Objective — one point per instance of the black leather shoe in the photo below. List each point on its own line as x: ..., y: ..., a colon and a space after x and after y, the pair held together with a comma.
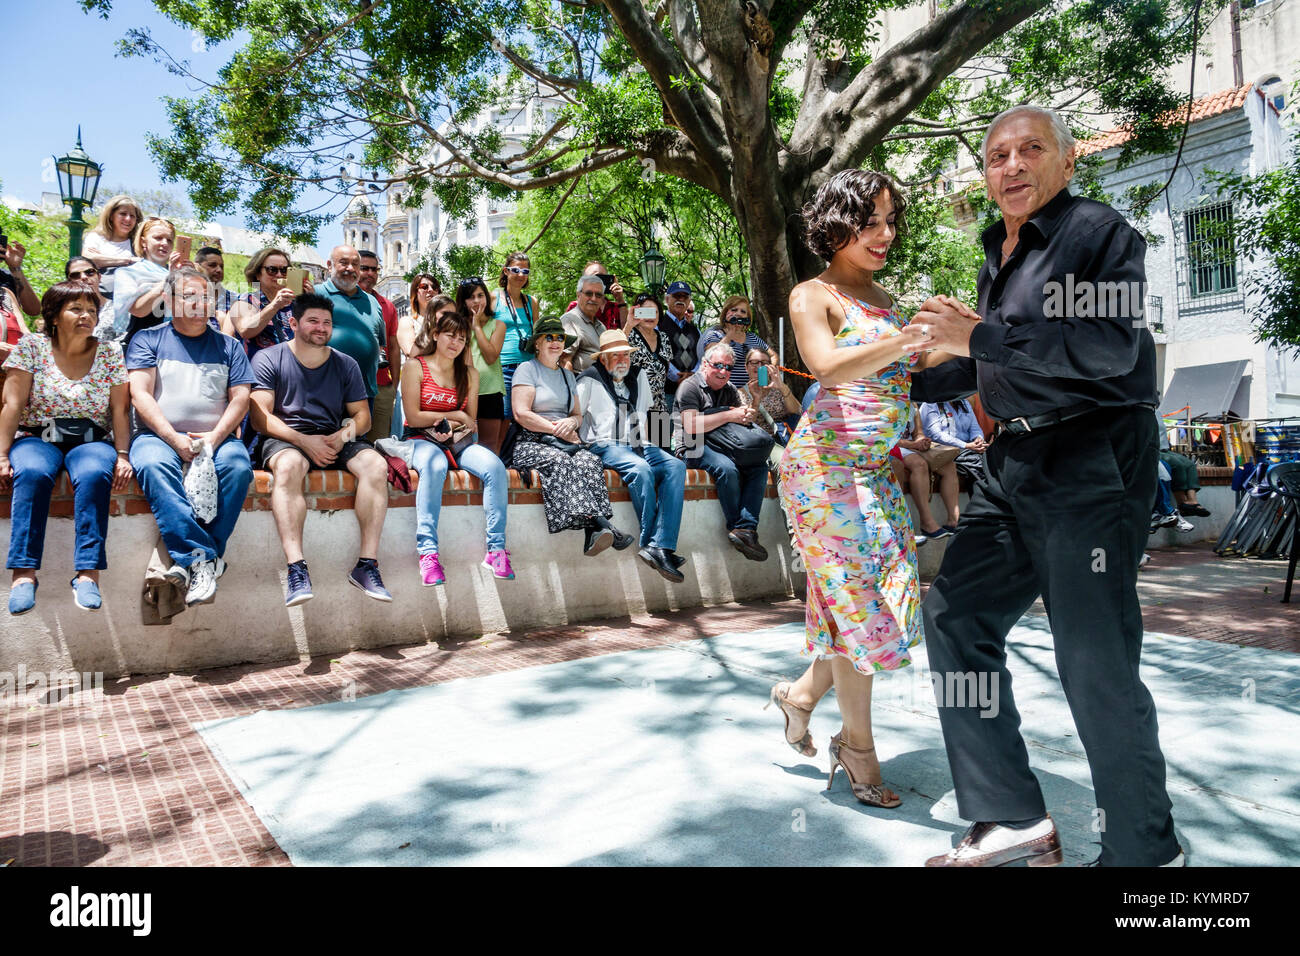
x: 621, y: 541
x: 1193, y: 511
x: 675, y: 559
x: 657, y: 560
x: 598, y: 539
x: 745, y: 541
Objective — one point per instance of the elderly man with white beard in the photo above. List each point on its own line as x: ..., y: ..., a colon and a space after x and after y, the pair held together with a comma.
x: 615, y: 398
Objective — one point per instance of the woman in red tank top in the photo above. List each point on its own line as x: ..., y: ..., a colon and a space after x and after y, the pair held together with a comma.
x: 441, y: 386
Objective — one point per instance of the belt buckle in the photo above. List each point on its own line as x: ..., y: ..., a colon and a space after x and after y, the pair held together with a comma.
x: 1024, y: 423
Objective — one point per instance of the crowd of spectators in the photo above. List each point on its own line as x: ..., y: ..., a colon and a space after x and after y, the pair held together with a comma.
x: 142, y: 364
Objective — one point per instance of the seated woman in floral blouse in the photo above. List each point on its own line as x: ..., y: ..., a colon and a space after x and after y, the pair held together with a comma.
x: 65, y: 396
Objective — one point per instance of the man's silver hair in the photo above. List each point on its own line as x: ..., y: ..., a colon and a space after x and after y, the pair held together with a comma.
x: 1060, y: 132
x: 588, y: 280
x: 719, y: 348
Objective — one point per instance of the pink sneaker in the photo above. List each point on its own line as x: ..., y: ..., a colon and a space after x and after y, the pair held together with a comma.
x: 498, y: 562
x: 431, y: 570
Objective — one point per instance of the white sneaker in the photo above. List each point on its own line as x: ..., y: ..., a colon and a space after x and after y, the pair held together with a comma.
x: 203, y: 582
x: 1144, y: 560
x: 1184, y: 525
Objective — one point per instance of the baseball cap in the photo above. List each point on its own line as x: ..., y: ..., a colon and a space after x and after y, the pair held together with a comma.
x: 677, y: 288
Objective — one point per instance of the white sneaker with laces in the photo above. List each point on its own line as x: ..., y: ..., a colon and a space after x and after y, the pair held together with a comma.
x: 203, y: 582
x: 1184, y: 525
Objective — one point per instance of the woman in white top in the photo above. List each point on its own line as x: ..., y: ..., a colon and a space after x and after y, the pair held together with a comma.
x: 108, y: 243
x: 140, y: 286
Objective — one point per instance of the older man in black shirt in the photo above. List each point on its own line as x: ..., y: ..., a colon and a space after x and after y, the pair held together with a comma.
x: 1064, y: 363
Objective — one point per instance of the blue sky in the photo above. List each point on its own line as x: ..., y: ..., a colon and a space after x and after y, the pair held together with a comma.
x: 62, y: 69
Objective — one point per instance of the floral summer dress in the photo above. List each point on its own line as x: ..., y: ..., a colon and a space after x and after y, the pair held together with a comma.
x: 849, y: 517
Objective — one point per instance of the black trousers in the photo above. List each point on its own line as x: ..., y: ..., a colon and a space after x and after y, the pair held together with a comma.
x: 1063, y: 513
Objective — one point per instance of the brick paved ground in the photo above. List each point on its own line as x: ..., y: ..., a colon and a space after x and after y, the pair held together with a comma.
x: 129, y: 782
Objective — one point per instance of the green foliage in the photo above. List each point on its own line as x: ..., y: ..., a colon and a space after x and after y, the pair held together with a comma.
x: 1266, y: 228
x: 608, y: 218
x: 321, y: 90
x: 45, y: 237
x: 932, y: 256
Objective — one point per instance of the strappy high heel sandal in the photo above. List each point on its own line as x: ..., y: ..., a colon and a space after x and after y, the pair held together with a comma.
x: 779, y: 696
x: 872, y: 794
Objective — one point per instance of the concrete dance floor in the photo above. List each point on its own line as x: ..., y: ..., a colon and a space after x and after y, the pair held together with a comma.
x: 665, y: 757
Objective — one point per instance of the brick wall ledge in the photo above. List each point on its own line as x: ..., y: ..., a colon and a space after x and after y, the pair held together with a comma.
x: 335, y: 490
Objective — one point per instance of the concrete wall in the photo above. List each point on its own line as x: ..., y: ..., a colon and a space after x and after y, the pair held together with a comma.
x: 1248, y: 141
x: 554, y: 582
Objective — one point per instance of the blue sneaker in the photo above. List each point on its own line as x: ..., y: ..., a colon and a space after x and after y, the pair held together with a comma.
x: 86, y: 594
x: 298, y: 589
x: 22, y: 596
x: 366, y: 576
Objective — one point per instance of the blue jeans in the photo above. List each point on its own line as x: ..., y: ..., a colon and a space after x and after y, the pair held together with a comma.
x: 36, y: 465
x: 508, y: 375
x: 656, y: 482
x: 740, y: 492
x: 431, y: 462
x: 158, y: 470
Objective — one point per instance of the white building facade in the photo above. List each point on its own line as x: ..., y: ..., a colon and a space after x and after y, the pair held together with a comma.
x: 1199, y: 295
x: 407, y: 236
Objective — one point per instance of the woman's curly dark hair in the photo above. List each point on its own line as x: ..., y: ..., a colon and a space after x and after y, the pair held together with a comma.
x: 842, y: 206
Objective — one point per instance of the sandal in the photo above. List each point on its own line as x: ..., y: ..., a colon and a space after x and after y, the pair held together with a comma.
x: 872, y: 794
x: 804, y: 745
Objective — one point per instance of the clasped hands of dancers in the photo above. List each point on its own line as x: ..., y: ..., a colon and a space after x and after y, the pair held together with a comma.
x: 1071, y: 470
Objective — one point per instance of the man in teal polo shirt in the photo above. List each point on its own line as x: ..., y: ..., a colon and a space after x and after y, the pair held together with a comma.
x: 358, y: 321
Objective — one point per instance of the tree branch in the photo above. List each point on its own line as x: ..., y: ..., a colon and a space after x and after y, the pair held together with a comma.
x: 690, y: 110
x: 887, y: 90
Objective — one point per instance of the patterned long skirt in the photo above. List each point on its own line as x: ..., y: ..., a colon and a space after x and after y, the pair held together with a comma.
x: 573, y: 485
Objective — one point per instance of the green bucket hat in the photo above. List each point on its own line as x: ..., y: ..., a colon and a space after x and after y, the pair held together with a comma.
x: 548, y: 326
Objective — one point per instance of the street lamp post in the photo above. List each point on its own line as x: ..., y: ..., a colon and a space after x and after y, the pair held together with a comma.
x: 78, y: 183
x: 653, y: 267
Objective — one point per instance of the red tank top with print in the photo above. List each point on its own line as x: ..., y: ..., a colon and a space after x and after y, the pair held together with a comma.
x: 434, y: 397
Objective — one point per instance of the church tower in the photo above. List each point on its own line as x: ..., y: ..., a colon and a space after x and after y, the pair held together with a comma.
x: 360, y: 227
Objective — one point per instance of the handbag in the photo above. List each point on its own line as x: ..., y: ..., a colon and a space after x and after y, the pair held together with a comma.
x: 453, y: 441
x: 72, y: 431
x: 746, y: 445
x: 938, y: 456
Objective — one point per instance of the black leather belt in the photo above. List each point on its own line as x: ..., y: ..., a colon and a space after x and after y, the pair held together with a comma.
x: 1033, y: 423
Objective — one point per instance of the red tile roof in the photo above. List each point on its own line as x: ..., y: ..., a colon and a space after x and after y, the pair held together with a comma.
x: 1204, y: 108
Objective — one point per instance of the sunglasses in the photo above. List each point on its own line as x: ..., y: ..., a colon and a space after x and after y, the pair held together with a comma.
x: 517, y: 271
x: 551, y: 337
x: 276, y: 270
x: 84, y: 274
x: 471, y: 281
x: 720, y: 366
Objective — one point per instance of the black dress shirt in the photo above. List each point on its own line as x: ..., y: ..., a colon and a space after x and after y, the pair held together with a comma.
x: 1058, y: 331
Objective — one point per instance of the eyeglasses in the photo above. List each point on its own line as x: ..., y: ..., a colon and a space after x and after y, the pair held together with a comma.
x: 593, y: 295
x: 517, y: 271
x: 276, y: 270
x: 551, y: 337
x: 756, y: 362
x: 720, y: 366
x: 84, y: 274
x: 370, y: 268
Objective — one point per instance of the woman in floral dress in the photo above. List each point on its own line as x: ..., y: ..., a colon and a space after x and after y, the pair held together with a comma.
x: 847, y: 512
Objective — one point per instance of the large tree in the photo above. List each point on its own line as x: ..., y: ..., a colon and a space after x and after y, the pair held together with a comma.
x: 757, y: 102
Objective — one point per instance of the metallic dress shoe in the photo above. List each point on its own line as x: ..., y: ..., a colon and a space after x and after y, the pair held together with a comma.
x: 987, y: 844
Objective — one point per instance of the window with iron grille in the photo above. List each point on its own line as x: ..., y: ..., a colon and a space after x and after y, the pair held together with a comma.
x: 1211, y: 253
